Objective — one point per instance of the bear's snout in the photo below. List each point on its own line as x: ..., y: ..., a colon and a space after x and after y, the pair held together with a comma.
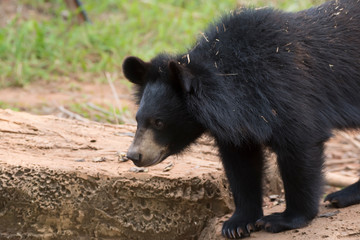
x: 145, y: 151
x: 134, y: 156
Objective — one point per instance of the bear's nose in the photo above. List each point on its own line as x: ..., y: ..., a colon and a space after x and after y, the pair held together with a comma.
x: 134, y: 156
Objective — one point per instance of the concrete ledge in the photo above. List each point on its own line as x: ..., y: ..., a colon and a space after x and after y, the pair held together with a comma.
x: 54, y: 184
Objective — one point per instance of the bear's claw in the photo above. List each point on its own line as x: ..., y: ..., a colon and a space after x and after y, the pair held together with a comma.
x: 235, y: 228
x: 345, y: 197
x: 278, y: 222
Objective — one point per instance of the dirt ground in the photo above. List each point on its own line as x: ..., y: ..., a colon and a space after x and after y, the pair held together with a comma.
x: 44, y: 98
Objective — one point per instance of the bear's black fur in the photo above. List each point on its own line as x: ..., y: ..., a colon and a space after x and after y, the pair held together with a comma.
x: 255, y: 79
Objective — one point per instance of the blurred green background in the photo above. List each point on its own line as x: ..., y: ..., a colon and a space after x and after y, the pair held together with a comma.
x: 39, y: 41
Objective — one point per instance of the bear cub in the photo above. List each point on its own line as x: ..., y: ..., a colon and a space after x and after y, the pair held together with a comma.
x: 255, y: 79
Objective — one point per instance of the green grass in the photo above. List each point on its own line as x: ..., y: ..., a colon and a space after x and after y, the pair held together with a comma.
x: 4, y: 105
x: 49, y: 47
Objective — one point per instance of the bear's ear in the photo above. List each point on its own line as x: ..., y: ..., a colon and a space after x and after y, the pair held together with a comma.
x: 181, y: 77
x: 135, y: 69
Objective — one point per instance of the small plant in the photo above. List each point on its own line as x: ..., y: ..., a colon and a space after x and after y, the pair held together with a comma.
x: 4, y: 105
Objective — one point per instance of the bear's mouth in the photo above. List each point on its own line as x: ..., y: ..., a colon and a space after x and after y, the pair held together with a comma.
x: 161, y: 157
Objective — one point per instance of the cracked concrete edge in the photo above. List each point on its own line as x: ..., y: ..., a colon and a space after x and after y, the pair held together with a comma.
x: 46, y: 204
x: 45, y: 193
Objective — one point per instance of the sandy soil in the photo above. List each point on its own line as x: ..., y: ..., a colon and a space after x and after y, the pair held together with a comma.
x: 331, y: 224
x: 51, y: 97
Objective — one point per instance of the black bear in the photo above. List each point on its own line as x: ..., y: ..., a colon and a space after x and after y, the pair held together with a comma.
x: 257, y: 78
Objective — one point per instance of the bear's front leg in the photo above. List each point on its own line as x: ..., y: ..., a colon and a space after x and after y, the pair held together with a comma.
x: 300, y: 166
x: 243, y: 167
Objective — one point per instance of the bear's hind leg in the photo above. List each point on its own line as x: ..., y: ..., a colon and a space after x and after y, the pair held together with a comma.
x: 345, y: 197
x: 300, y: 166
x: 243, y: 167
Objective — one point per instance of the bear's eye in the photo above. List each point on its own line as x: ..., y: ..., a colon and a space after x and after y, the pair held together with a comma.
x: 158, y: 124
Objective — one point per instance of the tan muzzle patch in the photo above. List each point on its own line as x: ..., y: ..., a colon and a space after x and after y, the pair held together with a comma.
x: 144, y: 150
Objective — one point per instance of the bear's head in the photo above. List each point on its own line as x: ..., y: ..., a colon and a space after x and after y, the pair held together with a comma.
x: 165, y: 126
